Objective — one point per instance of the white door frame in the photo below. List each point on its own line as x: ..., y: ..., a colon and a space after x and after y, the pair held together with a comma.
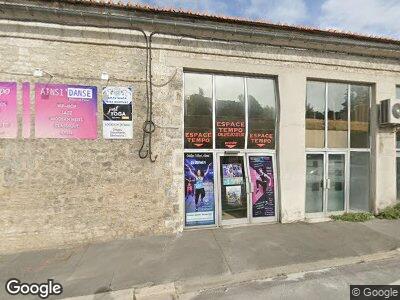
x: 276, y: 196
x: 245, y: 220
x: 325, y: 213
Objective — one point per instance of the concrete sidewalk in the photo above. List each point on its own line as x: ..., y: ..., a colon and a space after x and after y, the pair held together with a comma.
x: 196, y: 255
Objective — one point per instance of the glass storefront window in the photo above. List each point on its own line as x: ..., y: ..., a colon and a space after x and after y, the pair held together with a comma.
x: 315, y: 115
x: 261, y: 110
x: 217, y: 108
x: 359, y: 116
x: 398, y: 176
x: 337, y: 115
x: 230, y: 112
x: 359, y: 181
x: 198, y: 111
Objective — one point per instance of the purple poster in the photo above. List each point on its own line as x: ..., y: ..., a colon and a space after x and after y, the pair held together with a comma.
x: 199, y: 189
x: 263, y: 186
x: 65, y: 111
x: 8, y: 110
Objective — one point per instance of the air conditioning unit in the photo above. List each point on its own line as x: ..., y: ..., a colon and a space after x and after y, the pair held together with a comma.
x: 390, y: 112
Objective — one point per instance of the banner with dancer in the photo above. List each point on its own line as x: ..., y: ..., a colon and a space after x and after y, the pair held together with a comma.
x: 262, y: 181
x: 199, y: 189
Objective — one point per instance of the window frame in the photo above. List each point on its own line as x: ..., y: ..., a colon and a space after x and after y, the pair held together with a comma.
x: 349, y: 148
x: 245, y: 77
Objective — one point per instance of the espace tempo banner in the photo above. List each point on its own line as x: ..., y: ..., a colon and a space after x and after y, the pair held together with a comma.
x: 65, y: 111
x: 8, y: 110
x: 199, y: 189
x: 262, y: 180
x: 117, y: 113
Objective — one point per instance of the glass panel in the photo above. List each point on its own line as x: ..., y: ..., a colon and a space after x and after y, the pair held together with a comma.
x: 398, y: 140
x: 263, y: 186
x: 261, y: 110
x: 359, y: 181
x: 359, y: 116
x: 336, y: 171
x: 233, y: 188
x: 230, y: 109
x: 199, y: 189
x: 398, y: 92
x: 337, y: 115
x: 198, y: 111
x: 314, y: 183
x: 398, y: 176
x: 315, y: 115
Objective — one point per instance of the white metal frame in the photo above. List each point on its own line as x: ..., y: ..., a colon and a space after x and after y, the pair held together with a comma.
x: 245, y: 152
x: 276, y: 193
x: 237, y: 221
x: 347, y: 151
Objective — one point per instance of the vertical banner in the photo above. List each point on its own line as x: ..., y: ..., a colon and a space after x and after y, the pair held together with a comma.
x: 26, y: 110
x: 8, y: 110
x: 65, y: 111
x: 117, y: 113
x: 263, y: 186
x: 199, y: 189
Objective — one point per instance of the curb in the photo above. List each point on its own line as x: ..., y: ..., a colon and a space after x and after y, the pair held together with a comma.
x: 214, y: 282
x: 170, y: 291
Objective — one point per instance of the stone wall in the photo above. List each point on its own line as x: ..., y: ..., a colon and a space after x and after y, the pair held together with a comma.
x: 63, y: 192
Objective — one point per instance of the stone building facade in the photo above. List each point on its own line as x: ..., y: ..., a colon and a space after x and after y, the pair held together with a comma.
x: 63, y: 192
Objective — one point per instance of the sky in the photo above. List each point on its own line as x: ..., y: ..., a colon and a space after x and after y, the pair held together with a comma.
x: 370, y: 17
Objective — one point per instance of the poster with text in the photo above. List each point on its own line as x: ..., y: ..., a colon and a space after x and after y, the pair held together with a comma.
x: 263, y: 186
x: 232, y: 174
x: 199, y: 189
x: 65, y: 111
x: 230, y: 134
x: 117, y: 113
x: 8, y: 110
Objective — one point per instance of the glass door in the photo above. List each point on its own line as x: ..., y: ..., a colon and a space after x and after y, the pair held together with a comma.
x: 315, y: 183
x: 335, y: 182
x: 233, y: 189
x: 325, y: 183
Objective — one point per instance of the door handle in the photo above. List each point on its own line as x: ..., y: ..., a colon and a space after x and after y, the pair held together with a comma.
x: 328, y: 183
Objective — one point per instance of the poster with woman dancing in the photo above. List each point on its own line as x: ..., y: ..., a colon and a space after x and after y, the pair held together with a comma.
x: 262, y: 181
x: 199, y: 189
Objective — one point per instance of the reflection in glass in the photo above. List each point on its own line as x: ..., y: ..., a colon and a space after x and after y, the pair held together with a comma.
x: 314, y: 183
x: 261, y: 110
x: 359, y: 116
x: 198, y: 111
x: 398, y: 140
x: 336, y: 171
x: 315, y: 115
x: 359, y: 181
x: 337, y: 115
x: 230, y: 112
x: 398, y: 177
x: 233, y: 188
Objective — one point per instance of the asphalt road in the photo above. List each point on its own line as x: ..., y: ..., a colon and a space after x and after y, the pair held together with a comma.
x: 322, y: 284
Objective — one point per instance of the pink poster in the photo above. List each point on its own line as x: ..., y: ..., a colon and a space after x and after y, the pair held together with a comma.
x: 8, y: 110
x: 65, y: 111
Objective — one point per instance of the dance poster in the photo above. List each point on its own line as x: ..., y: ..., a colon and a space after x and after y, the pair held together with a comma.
x: 8, y: 110
x: 263, y: 186
x: 65, y: 111
x: 232, y: 174
x: 117, y: 113
x: 199, y: 189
